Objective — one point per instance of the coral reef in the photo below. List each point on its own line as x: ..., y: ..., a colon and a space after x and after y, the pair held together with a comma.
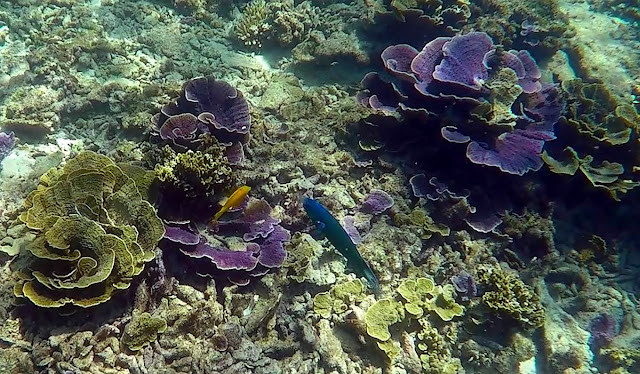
x: 94, y: 231
x: 485, y: 266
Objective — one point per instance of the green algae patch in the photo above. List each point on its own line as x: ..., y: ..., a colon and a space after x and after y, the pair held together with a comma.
x: 142, y: 330
x: 93, y: 231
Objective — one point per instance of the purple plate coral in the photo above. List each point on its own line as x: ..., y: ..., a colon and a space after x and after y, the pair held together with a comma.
x: 510, y: 113
x: 263, y: 249
x: 206, y: 106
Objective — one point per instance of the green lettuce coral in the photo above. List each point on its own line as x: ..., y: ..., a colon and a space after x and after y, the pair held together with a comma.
x: 94, y: 231
x: 418, y: 296
x: 423, y: 295
x: 338, y: 299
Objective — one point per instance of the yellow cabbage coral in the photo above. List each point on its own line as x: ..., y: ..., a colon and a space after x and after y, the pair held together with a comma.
x: 94, y: 231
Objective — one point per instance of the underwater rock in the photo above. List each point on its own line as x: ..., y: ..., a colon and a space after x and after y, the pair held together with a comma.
x: 142, y: 330
x: 302, y: 252
x: 565, y: 343
x: 31, y: 111
x: 323, y: 49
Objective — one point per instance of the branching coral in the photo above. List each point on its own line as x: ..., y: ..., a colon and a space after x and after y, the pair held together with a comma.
x: 253, y: 25
x: 435, y: 356
x: 510, y: 298
x: 94, y: 230
x: 279, y: 21
x: 195, y: 173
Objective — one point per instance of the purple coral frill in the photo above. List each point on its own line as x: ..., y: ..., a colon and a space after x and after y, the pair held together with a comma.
x: 255, y: 222
x: 7, y: 142
x: 218, y: 103
x: 264, y: 244
x: 454, y: 70
x: 463, y: 60
x: 465, y: 285
x: 514, y: 152
x: 377, y: 202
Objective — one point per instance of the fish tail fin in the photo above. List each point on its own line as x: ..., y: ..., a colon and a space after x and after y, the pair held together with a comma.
x: 364, y: 270
x: 370, y: 276
x: 216, y: 216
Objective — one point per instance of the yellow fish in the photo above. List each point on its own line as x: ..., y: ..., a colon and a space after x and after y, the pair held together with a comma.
x: 236, y: 198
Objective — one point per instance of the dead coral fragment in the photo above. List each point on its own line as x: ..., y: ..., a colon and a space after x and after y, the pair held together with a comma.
x: 422, y: 295
x: 142, y: 330
x: 94, y: 231
x: 508, y: 296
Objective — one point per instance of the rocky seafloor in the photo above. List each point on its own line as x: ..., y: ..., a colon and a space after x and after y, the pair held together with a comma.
x: 509, y: 258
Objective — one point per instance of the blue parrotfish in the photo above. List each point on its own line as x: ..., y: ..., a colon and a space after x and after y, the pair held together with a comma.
x: 338, y: 237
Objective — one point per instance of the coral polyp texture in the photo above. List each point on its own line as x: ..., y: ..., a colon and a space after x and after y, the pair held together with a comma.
x: 509, y: 113
x: 94, y: 231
